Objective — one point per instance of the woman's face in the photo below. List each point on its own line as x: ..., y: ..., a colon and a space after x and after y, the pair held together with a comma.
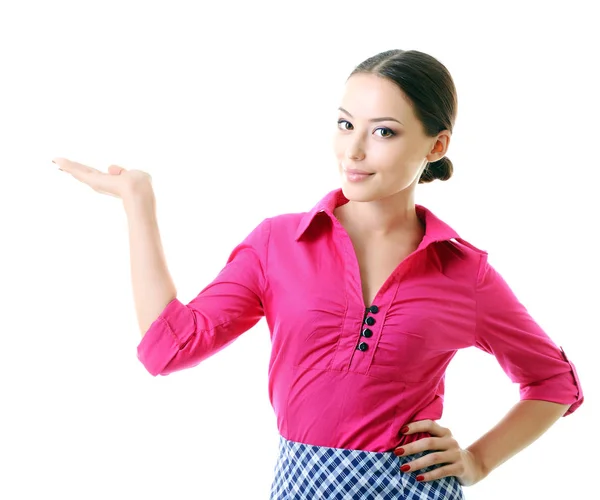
x: 380, y: 145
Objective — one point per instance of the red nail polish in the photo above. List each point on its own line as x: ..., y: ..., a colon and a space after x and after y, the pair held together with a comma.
x: 404, y: 429
x: 405, y: 468
x: 399, y: 451
x: 420, y: 478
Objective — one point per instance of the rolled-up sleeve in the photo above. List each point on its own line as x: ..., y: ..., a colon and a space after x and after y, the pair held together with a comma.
x: 525, y: 352
x: 183, y: 335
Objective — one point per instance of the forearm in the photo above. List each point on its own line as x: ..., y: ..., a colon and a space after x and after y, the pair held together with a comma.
x: 521, y: 426
x: 153, y: 287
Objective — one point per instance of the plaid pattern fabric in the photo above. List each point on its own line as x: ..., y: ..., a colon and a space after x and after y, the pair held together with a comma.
x: 307, y: 472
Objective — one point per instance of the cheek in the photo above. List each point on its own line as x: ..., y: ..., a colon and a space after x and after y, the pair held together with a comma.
x: 388, y: 160
x: 338, y: 146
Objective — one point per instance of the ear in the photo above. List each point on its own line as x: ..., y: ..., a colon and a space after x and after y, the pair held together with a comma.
x: 440, y: 146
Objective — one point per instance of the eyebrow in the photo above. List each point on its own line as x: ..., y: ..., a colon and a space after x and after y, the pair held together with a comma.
x: 373, y: 120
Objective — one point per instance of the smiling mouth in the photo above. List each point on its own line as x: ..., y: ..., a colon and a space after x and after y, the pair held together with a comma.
x: 357, y: 175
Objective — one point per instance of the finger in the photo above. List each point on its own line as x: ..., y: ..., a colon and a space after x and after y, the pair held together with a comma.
x: 115, y: 170
x: 440, y: 472
x: 434, y: 458
x: 426, y: 444
x: 73, y: 166
x: 98, y: 181
x: 429, y: 426
x: 86, y: 175
x: 81, y: 172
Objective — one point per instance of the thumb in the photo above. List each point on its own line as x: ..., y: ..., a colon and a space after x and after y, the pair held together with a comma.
x: 115, y: 170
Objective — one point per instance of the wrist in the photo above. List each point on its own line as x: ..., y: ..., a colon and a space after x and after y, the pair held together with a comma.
x: 481, y: 469
x: 139, y: 195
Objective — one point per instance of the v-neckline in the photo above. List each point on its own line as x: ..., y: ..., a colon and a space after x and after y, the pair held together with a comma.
x: 356, y: 264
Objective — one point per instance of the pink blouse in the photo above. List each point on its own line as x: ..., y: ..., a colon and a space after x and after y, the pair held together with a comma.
x: 345, y: 375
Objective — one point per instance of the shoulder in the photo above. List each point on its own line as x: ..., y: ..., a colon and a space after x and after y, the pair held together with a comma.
x: 446, y: 237
x: 291, y: 219
x: 275, y: 226
x: 461, y: 260
x: 286, y: 225
x: 278, y: 223
x: 284, y: 222
x: 465, y: 248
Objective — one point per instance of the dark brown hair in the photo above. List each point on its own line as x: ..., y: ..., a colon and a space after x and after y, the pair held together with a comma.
x: 427, y: 84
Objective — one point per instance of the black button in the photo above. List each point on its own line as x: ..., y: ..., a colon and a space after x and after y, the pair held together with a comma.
x: 370, y: 321
x: 367, y: 333
x: 363, y: 346
x: 374, y: 309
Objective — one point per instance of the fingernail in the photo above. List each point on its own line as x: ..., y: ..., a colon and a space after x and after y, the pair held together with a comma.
x: 405, y: 468
x: 404, y: 429
x: 420, y: 478
x: 399, y: 451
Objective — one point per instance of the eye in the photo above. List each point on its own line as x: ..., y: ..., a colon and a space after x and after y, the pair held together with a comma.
x: 341, y: 121
x: 390, y: 132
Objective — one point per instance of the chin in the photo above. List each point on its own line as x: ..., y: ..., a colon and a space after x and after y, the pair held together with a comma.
x: 363, y: 192
x: 357, y: 192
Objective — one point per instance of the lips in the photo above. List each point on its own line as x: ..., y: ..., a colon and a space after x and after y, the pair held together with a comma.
x: 355, y: 171
x: 355, y: 175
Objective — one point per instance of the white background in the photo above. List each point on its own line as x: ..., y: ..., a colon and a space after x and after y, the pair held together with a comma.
x: 231, y: 107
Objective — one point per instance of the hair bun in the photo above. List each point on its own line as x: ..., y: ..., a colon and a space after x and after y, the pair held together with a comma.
x: 441, y: 169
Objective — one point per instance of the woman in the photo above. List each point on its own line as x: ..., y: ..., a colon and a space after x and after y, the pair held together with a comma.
x: 368, y: 297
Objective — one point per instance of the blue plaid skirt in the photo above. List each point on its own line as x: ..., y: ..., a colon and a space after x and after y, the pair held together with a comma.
x: 307, y: 472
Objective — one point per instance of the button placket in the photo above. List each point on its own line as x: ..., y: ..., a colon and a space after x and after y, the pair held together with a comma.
x: 367, y: 332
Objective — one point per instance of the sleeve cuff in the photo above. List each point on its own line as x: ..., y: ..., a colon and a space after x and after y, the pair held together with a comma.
x: 165, y: 337
x: 564, y: 388
x: 577, y: 383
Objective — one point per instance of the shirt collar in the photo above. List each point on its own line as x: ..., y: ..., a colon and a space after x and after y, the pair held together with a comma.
x: 435, y: 228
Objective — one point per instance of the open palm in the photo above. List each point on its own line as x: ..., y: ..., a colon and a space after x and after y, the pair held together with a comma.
x: 117, y: 182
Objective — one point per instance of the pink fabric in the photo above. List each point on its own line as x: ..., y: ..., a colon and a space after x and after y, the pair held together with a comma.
x: 300, y: 272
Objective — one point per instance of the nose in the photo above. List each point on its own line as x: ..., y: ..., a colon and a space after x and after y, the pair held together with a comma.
x: 355, y: 151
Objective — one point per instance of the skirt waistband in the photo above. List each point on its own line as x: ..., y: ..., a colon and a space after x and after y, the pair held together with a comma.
x: 304, y: 472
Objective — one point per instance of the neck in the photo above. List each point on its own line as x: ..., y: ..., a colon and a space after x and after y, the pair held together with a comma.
x: 391, y: 215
